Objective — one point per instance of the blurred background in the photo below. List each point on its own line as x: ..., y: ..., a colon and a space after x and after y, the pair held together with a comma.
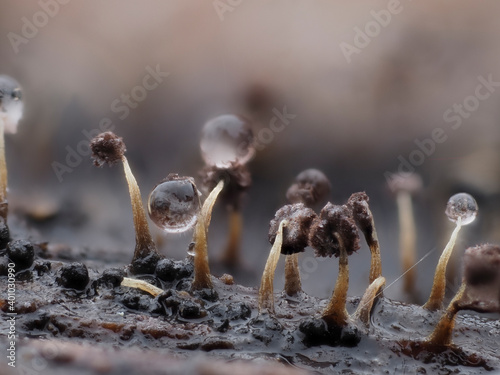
x: 366, y: 80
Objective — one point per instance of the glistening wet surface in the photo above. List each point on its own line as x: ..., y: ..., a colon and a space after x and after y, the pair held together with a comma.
x: 179, y: 324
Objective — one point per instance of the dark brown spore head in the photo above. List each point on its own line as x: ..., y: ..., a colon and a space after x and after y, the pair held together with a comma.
x: 310, y: 187
x: 296, y: 232
x: 107, y: 148
x: 333, y: 219
x: 358, y: 203
x: 482, y: 278
x: 237, y: 179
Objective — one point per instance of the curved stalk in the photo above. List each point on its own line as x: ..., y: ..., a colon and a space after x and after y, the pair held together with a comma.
x: 202, y: 278
x: 435, y: 301
x: 144, y: 244
x: 266, y: 290
x: 365, y: 306
x: 441, y: 336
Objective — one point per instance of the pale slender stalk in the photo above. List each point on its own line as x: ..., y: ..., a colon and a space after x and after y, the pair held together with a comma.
x: 292, y: 275
x: 142, y: 285
x: 144, y: 243
x: 231, y: 256
x: 441, y: 336
x: 266, y: 290
x: 208, y: 205
x: 202, y: 279
x: 3, y: 175
x: 435, y: 301
x: 365, y: 306
x: 336, y: 312
x: 407, y: 239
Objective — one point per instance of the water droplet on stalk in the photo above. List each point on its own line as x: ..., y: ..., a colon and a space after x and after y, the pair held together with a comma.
x: 174, y: 204
x: 227, y: 140
x: 11, y: 103
x: 462, y: 205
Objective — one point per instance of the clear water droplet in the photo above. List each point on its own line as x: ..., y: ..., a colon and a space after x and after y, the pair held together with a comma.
x: 462, y: 205
x: 11, y: 103
x: 225, y: 140
x: 174, y: 204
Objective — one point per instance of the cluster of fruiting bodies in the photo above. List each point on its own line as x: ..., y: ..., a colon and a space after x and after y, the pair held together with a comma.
x: 175, y: 205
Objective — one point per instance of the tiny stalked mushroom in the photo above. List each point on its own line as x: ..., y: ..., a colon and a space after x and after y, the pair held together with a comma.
x: 480, y: 290
x: 358, y: 202
x: 295, y: 239
x: 405, y: 185
x: 108, y: 148
x: 334, y: 232
x: 237, y: 180
x: 462, y: 210
x: 227, y: 144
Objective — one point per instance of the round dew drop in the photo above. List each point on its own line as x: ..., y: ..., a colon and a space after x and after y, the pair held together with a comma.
x: 462, y: 205
x: 11, y: 103
x: 227, y: 140
x: 174, y: 204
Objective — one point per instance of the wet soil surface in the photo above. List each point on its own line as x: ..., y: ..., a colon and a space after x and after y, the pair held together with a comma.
x: 70, y: 323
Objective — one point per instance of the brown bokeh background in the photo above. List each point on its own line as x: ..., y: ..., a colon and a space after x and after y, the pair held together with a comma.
x: 353, y: 119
